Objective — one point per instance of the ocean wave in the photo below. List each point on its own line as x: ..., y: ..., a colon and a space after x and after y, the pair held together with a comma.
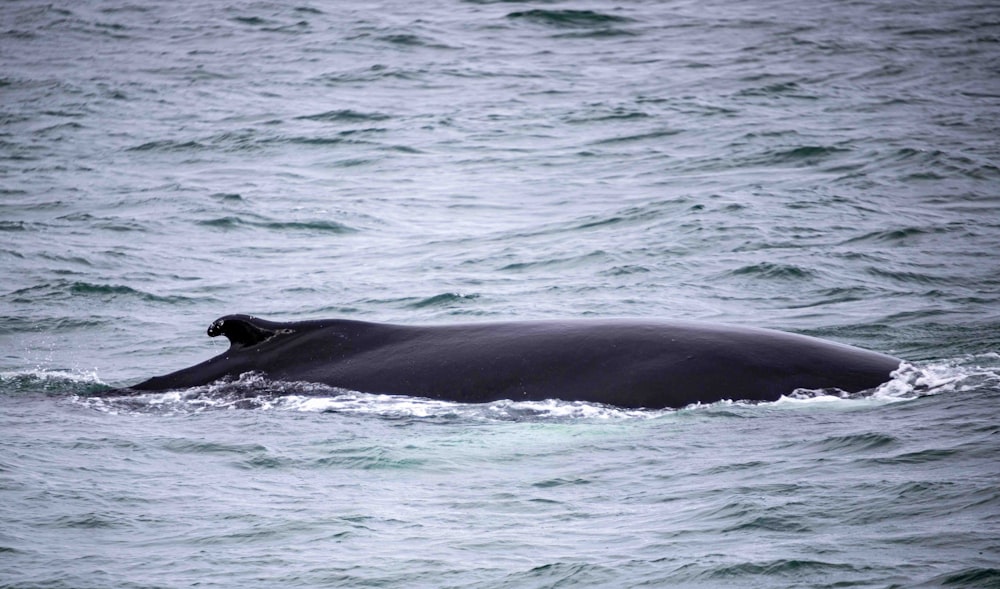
x: 772, y: 271
x: 68, y: 289
x: 344, y: 116
x: 568, y: 18
x: 55, y: 382
x: 233, y: 222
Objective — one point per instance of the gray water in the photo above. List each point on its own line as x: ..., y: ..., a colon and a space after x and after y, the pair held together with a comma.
x: 823, y: 168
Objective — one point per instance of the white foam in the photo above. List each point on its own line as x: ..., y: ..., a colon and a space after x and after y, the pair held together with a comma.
x: 960, y: 375
x: 55, y: 376
x: 350, y: 402
x: 361, y: 403
x: 908, y: 382
x: 253, y: 391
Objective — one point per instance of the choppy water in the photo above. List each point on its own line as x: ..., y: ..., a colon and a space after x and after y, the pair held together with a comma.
x: 826, y: 168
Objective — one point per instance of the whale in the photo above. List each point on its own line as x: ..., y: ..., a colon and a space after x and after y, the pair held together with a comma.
x: 628, y: 363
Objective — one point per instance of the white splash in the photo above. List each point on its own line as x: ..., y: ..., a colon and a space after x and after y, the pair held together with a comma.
x: 253, y: 391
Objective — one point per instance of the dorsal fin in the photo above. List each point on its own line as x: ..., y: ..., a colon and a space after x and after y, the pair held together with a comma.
x: 242, y: 330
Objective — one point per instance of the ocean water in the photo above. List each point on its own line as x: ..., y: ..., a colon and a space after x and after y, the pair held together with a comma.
x: 827, y: 168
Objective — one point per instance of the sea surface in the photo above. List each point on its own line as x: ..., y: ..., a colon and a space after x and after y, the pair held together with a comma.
x: 826, y: 168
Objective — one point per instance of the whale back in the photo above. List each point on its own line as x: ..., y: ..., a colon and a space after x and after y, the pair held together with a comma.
x: 628, y: 363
